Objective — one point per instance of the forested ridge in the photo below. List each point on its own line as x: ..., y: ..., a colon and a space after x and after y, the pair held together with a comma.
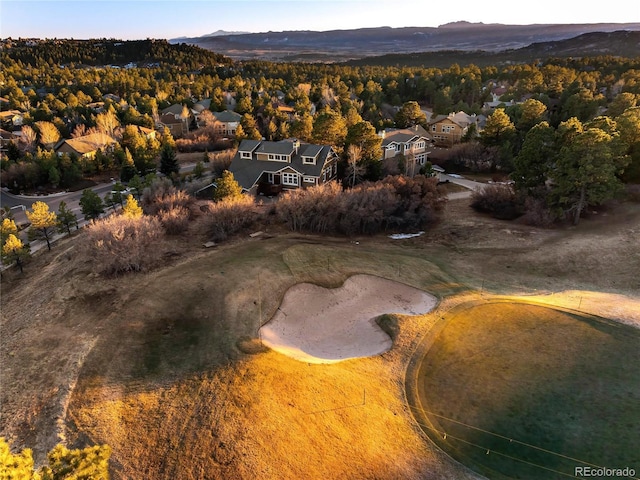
x: 104, y: 51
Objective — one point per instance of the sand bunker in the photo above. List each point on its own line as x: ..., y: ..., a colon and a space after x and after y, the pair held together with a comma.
x: 320, y: 325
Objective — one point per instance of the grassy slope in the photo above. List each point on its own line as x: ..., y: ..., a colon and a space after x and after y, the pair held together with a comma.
x: 162, y: 380
x: 561, y: 382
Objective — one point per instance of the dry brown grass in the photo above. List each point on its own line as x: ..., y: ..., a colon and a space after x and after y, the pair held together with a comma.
x: 149, y: 363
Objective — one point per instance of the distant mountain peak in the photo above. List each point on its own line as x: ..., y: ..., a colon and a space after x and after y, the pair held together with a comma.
x: 219, y: 33
x: 462, y: 24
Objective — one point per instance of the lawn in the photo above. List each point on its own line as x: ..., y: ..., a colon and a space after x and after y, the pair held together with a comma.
x: 515, y: 390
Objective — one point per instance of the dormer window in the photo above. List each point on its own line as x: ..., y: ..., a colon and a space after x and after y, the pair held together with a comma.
x: 308, y: 160
x: 245, y: 155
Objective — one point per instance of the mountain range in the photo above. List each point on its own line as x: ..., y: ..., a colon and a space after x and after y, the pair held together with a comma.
x: 344, y: 45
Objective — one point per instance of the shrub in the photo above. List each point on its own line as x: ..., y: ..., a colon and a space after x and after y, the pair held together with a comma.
x: 498, y: 200
x: 175, y: 220
x: 537, y: 213
x: 161, y: 195
x: 120, y: 244
x: 394, y: 202
x: 229, y: 216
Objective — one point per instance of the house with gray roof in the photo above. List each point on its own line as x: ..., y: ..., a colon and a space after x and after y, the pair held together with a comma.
x: 413, y: 143
x: 226, y: 123
x: 267, y: 168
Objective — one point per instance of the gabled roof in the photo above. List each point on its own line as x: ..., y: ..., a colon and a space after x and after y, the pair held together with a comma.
x: 247, y: 172
x: 88, y: 143
x: 405, y: 135
x: 7, y: 114
x: 248, y: 145
x: 278, y: 148
x: 310, y: 150
x: 205, y: 102
x: 175, y: 109
x: 460, y: 118
x: 227, y: 116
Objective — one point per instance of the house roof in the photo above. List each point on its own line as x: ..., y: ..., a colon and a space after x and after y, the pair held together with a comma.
x: 460, y: 118
x: 88, y: 143
x: 247, y: 172
x: 405, y: 135
x: 175, y: 109
x: 7, y: 114
x: 227, y: 116
x: 205, y: 102
x: 310, y: 150
x: 248, y: 145
x: 278, y: 148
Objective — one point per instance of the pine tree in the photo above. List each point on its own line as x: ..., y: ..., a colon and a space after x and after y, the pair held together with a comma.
x: 43, y: 222
x: 227, y: 187
x: 91, y: 204
x: 66, y: 219
x: 14, y: 250
x: 128, y: 170
x: 8, y: 227
x: 131, y: 208
x: 168, y: 161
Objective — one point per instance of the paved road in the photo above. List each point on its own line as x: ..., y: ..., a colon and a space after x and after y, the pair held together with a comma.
x: 72, y: 199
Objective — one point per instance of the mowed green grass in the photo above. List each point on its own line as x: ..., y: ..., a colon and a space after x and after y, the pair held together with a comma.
x: 553, y: 388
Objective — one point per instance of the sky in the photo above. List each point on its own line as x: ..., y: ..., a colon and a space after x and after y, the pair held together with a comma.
x: 139, y: 19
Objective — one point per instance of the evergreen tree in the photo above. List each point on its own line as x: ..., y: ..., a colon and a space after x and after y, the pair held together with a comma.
x: 43, y: 222
x: 227, y: 187
x: 14, y: 250
x: 131, y: 208
x: 198, y: 170
x: 586, y: 169
x: 128, y: 167
x: 66, y: 219
x: 410, y: 115
x: 8, y: 227
x: 169, y: 161
x: 91, y: 204
x: 531, y: 165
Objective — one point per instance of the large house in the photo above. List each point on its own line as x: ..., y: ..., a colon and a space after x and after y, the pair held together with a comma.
x: 86, y: 146
x: 226, y: 123
x: 172, y: 118
x: 448, y: 130
x: 413, y: 142
x: 268, y: 167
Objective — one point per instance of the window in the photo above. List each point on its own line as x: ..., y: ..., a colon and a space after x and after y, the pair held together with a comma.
x: 308, y: 160
x: 448, y: 128
x: 420, y: 144
x: 270, y: 177
x: 245, y: 154
x: 433, y: 128
x: 398, y: 147
x: 420, y: 159
x: 309, y: 179
x: 290, y: 179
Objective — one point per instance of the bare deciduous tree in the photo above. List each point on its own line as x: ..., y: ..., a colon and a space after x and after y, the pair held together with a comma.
x: 354, y: 154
